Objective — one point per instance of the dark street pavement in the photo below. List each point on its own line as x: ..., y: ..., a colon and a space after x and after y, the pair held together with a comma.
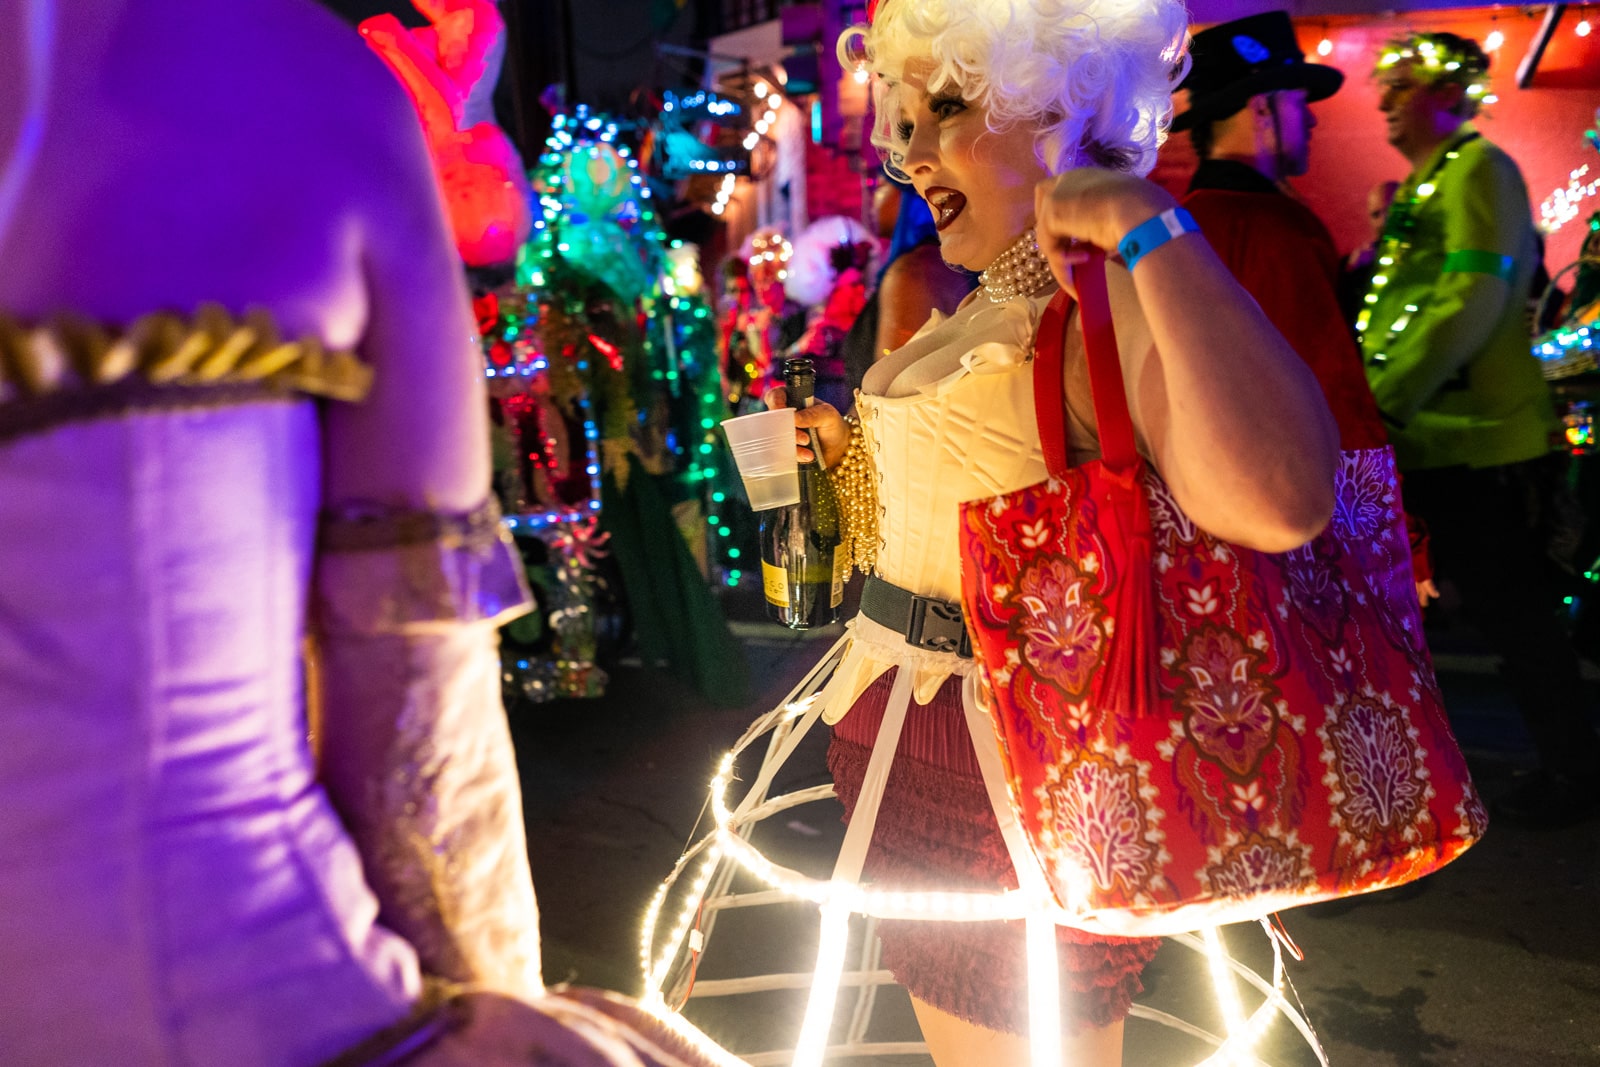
x: 1493, y: 962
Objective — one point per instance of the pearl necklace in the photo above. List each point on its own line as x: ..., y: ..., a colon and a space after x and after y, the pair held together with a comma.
x: 1020, y: 270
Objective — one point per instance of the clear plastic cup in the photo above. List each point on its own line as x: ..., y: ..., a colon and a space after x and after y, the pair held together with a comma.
x: 763, y: 446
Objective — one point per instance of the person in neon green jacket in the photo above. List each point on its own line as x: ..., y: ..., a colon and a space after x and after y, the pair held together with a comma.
x: 1446, y: 348
x: 1443, y: 329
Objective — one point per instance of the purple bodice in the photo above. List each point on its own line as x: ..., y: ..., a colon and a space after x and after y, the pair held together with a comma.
x: 174, y: 884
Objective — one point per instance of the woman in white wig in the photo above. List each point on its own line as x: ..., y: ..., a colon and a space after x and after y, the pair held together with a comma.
x: 1017, y: 118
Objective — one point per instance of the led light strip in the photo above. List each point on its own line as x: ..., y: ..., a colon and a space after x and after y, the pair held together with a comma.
x: 813, y: 1043
x: 838, y: 901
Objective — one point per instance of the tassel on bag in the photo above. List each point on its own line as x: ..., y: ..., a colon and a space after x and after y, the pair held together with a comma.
x: 1127, y: 689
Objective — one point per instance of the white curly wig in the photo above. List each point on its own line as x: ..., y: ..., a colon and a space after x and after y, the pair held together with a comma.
x: 1093, y: 77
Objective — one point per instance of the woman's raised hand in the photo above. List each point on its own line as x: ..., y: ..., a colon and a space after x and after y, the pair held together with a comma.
x: 833, y: 433
x: 1091, y: 206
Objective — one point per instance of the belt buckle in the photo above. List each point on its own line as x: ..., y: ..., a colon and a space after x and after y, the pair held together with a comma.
x: 937, y: 625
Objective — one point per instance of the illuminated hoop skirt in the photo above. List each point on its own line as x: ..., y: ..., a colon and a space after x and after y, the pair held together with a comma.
x: 712, y: 862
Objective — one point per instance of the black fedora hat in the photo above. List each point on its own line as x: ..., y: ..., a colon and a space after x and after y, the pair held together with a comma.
x: 1233, y: 61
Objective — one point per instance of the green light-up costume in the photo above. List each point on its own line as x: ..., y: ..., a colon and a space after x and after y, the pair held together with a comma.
x: 1447, y: 355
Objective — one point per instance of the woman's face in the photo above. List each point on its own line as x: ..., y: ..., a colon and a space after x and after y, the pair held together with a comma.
x: 979, y: 184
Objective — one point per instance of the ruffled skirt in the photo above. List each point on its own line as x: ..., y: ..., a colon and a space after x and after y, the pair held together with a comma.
x: 936, y: 830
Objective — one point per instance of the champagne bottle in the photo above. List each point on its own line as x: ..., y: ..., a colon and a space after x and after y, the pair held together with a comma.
x: 802, y: 567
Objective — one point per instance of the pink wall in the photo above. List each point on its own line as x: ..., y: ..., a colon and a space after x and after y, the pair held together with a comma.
x: 1541, y: 127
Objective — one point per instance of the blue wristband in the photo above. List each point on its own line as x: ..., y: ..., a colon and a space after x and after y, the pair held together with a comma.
x: 1153, y: 233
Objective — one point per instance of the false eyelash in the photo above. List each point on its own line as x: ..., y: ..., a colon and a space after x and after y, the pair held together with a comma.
x: 941, y: 107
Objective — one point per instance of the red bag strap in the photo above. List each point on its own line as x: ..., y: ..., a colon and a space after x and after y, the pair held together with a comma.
x: 1049, y: 407
x: 1115, y: 426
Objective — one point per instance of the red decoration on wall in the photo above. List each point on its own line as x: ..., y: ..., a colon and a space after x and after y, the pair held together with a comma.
x: 479, y: 171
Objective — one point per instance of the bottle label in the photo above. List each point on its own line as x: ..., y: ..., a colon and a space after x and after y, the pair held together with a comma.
x: 775, y: 584
x: 840, y: 570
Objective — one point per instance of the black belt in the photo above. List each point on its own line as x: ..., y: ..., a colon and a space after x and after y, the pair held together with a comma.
x: 928, y: 623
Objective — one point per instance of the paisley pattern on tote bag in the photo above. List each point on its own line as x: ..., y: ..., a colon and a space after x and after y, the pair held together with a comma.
x: 1296, y: 746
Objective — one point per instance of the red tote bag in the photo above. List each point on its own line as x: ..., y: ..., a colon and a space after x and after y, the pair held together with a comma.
x: 1196, y: 733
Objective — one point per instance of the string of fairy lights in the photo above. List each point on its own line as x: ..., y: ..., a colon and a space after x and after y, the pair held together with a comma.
x: 597, y: 219
x: 1392, y: 245
x: 1437, y: 59
x: 1565, y: 204
x: 1573, y: 347
x: 1434, y: 60
x: 690, y: 328
x: 705, y: 134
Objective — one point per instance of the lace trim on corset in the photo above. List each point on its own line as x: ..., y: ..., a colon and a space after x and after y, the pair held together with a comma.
x: 70, y: 369
x: 405, y: 605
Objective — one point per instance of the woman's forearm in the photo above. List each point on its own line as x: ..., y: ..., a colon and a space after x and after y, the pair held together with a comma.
x: 415, y: 750
x: 417, y: 759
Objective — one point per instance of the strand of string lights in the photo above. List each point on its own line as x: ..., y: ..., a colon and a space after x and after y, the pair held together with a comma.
x: 676, y: 931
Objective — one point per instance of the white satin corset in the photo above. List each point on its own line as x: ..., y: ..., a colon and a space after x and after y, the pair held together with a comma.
x: 956, y: 423
x: 175, y: 887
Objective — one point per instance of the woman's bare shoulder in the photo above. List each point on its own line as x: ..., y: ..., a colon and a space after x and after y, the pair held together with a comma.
x: 325, y: 91
x: 317, y: 72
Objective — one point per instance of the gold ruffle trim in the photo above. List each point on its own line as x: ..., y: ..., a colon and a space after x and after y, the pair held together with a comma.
x: 211, y: 347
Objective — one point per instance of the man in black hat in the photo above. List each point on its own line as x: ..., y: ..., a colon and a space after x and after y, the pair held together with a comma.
x: 1248, y: 117
x: 1248, y: 87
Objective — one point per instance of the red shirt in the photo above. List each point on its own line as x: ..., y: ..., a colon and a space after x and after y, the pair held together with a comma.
x: 1284, y: 257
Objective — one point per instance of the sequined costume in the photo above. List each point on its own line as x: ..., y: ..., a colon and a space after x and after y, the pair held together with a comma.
x: 950, y: 417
